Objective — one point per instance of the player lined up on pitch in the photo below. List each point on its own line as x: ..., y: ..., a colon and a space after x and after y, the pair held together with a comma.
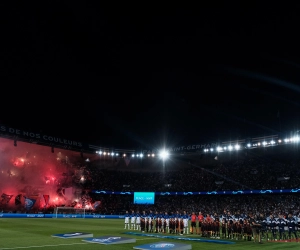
x: 256, y: 227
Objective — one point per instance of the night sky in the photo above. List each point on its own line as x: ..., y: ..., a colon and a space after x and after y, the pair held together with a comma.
x: 142, y: 80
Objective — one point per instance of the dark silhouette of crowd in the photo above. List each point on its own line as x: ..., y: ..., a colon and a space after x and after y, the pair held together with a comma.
x: 244, y: 171
x: 255, y: 170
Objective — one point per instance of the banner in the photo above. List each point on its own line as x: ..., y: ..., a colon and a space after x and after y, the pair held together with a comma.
x: 39, y: 138
x: 227, y: 192
x: 219, y: 182
x: 96, y: 204
x: 29, y: 203
x: 67, y: 193
x: 5, y: 198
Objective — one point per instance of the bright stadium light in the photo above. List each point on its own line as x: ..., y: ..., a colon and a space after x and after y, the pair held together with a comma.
x: 164, y: 154
x: 230, y: 147
x: 237, y: 147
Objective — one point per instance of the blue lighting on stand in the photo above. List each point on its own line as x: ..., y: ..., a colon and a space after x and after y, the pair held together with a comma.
x: 228, y: 192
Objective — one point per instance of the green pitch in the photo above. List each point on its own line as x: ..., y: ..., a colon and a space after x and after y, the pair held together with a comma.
x: 36, y: 233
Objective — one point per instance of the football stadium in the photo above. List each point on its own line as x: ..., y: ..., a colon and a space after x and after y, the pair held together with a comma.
x: 149, y: 128
x: 56, y: 192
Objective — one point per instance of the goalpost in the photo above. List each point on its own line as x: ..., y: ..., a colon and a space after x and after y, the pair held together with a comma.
x: 69, y: 212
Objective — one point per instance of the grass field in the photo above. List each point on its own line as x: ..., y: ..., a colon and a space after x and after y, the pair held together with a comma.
x: 36, y: 233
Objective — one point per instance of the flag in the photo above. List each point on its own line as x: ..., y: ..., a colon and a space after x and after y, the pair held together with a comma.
x: 18, y: 199
x: 67, y: 193
x: 96, y: 204
x: 46, y: 198
x: 29, y: 203
x: 6, y: 198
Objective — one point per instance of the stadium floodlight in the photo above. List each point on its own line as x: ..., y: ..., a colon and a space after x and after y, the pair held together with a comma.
x: 248, y: 145
x: 164, y: 154
x: 230, y: 147
x: 264, y: 143
x: 219, y: 149
x: 237, y: 147
x: 272, y: 142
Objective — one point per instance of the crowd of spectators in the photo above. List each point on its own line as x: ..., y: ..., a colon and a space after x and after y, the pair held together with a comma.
x: 236, y: 204
x: 248, y: 173
x: 252, y: 171
x: 275, y: 170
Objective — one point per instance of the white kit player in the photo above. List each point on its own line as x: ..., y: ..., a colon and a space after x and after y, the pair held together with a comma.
x: 185, y: 222
x: 127, y: 216
x: 132, y: 220
x: 167, y: 219
x: 138, y: 221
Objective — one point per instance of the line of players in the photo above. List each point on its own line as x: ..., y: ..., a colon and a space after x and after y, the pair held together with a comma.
x: 157, y: 222
x: 225, y: 226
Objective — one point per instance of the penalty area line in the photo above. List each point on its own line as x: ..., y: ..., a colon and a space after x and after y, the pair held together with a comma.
x: 7, y: 248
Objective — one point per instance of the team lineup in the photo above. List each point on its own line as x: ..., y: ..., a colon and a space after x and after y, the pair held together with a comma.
x: 225, y: 226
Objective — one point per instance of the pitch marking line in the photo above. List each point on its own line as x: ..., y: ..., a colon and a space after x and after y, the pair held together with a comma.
x: 44, y: 246
x: 146, y: 239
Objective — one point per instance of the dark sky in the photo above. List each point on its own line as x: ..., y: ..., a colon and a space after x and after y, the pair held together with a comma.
x: 140, y: 80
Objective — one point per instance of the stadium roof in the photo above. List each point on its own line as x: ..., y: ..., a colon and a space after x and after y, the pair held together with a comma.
x: 150, y: 80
